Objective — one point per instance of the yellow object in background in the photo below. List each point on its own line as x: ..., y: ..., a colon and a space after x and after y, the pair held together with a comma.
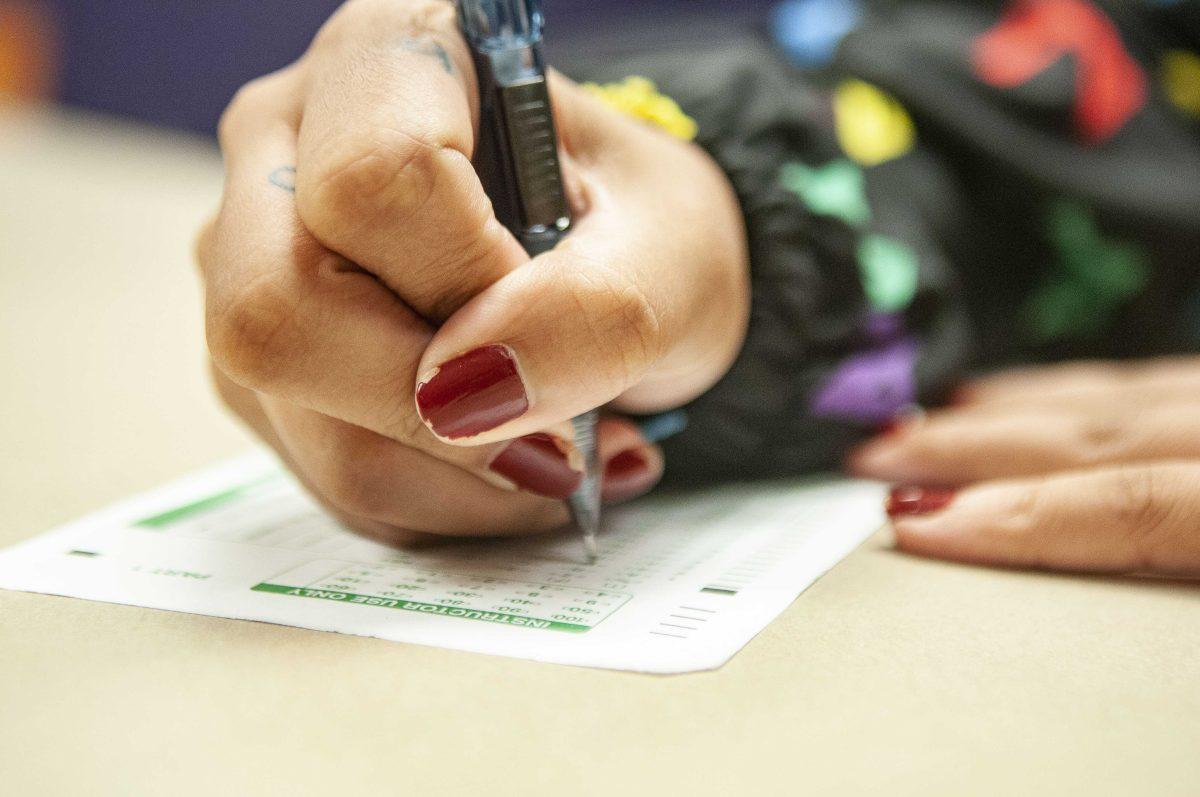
x: 28, y: 50
x: 872, y: 126
x: 1181, y: 80
x: 641, y: 99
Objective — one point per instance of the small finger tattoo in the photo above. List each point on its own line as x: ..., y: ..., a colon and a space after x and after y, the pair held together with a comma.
x: 284, y: 177
x: 430, y: 48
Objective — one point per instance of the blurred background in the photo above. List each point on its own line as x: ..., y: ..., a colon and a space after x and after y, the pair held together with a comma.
x: 177, y: 62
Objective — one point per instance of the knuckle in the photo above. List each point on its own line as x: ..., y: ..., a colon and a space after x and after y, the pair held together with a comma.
x: 403, y: 424
x: 382, y: 18
x: 251, y: 335
x: 344, y: 478
x: 1027, y: 513
x: 432, y: 16
x: 248, y: 103
x: 393, y: 174
x: 1136, y: 504
x: 463, y: 266
x: 1100, y: 439
x: 1025, y: 528
x: 1140, y: 508
x: 622, y: 321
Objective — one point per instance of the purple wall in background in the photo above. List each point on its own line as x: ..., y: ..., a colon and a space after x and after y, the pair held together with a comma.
x: 177, y: 62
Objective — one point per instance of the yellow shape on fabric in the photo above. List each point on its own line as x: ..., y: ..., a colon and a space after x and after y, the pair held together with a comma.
x: 641, y: 99
x: 872, y: 125
x: 1181, y: 80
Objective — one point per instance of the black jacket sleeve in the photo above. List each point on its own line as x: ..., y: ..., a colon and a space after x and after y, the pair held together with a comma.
x: 1033, y: 217
x: 820, y: 367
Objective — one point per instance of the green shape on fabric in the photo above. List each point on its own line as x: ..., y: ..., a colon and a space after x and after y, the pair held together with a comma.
x: 1098, y: 275
x: 836, y: 189
x: 1071, y: 230
x: 1063, y: 309
x: 1114, y: 268
x: 889, y: 272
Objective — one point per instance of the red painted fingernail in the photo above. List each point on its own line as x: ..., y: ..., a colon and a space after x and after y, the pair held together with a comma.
x: 626, y: 475
x: 908, y: 501
x: 537, y: 463
x: 473, y: 393
x: 893, y: 427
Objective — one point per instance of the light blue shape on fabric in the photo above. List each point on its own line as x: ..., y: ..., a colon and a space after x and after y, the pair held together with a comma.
x: 657, y: 428
x: 809, y: 30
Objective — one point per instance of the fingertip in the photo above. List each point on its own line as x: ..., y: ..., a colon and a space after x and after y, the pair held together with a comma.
x: 984, y: 525
x: 874, y: 459
x: 937, y: 539
x: 473, y: 393
x: 916, y: 537
x: 924, y: 523
x: 631, y: 473
x: 914, y: 500
x: 541, y: 464
x: 879, y: 457
x: 631, y: 465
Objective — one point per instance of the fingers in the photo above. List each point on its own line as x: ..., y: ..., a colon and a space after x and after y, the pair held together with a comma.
x: 956, y: 448
x: 245, y: 404
x: 959, y: 447
x: 630, y: 465
x: 352, y: 221
x: 366, y: 475
x: 398, y: 495
x: 288, y: 318
x: 624, y: 301
x: 1143, y: 519
x: 384, y: 174
x: 1156, y: 380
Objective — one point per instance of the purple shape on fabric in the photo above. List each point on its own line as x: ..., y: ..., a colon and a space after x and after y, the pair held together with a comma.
x: 870, y: 387
x: 883, y: 328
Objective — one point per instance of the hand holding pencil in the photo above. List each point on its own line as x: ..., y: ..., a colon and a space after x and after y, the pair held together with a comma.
x: 371, y: 318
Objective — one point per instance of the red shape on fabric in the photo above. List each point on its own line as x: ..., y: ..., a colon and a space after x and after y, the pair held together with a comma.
x: 1110, y: 86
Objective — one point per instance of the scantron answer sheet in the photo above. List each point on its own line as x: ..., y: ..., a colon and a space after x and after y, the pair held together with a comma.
x: 681, y: 584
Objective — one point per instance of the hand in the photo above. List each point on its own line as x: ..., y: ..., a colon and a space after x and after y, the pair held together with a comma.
x: 1089, y: 466
x: 369, y: 317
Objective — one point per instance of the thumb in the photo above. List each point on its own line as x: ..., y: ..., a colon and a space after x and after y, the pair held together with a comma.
x: 553, y: 339
x: 648, y: 290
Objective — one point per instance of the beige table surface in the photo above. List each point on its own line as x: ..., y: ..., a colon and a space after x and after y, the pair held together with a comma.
x: 891, y: 674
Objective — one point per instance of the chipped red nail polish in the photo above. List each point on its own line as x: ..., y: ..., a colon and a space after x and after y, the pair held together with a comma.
x: 537, y: 463
x: 473, y: 393
x: 911, y: 501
